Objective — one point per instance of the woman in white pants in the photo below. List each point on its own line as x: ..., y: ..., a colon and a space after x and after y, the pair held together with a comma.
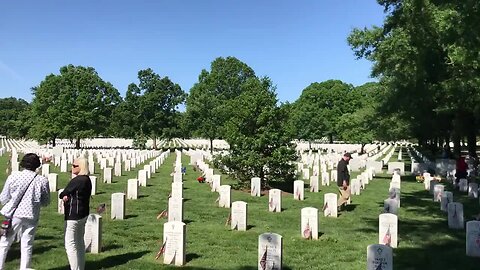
x: 76, y: 198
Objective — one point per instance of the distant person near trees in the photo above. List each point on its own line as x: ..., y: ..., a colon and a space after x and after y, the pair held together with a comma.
x: 460, y: 170
x: 343, y: 180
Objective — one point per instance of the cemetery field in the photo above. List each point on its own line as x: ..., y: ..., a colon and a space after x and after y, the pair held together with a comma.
x: 425, y: 242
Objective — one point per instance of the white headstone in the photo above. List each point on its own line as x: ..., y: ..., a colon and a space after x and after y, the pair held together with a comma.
x: 175, y: 209
x: 142, y: 178
x: 52, y: 181
x: 432, y: 185
x: 314, y: 183
x: 379, y: 257
x: 107, y: 175
x: 455, y: 215
x: 473, y: 190
x: 255, y: 187
x: 325, y: 179
x: 275, y: 200
x: 174, y: 242
x: 298, y: 190
x: 118, y: 206
x: 463, y: 185
x: 309, y: 226
x: 93, y: 180
x: 438, y: 192
x: 63, y: 165
x: 118, y: 169
x: 177, y: 190
x: 473, y: 239
x: 270, y: 251
x: 388, y: 230
x: 148, y: 170
x: 91, y: 166
x: 239, y: 216
x: 355, y: 186
x: 177, y: 177
x: 225, y: 195
x: 60, y: 205
x: 215, y: 182
x: 330, y: 205
x: 447, y: 197
x: 93, y: 234
x: 45, y: 169
x: 132, y: 189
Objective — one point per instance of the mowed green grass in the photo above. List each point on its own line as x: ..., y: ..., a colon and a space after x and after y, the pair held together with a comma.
x: 425, y: 242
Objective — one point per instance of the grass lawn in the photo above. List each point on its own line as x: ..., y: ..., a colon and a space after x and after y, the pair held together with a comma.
x: 425, y: 242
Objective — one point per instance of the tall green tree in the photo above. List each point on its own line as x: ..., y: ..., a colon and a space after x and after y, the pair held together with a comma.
x: 152, y: 106
x: 260, y: 145
x: 207, y: 107
x: 75, y: 104
x: 315, y: 113
x: 14, y: 115
x: 426, y: 53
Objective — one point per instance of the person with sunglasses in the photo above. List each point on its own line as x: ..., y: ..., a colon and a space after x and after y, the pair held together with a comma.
x: 76, y: 198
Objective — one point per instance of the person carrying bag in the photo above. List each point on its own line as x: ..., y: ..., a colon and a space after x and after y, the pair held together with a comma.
x: 22, y: 196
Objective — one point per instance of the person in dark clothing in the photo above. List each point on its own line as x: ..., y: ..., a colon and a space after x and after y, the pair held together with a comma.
x: 460, y: 170
x: 76, y: 198
x: 343, y: 180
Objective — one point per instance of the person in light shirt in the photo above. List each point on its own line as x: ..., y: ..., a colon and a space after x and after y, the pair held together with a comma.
x: 22, y: 196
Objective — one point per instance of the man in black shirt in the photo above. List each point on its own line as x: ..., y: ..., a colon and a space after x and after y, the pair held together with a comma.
x: 343, y: 179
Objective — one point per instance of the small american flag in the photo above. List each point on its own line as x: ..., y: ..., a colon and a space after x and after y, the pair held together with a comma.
x: 162, y: 214
x: 297, y: 194
x: 162, y: 250
x: 307, y: 233
x: 229, y: 219
x: 387, y: 239
x: 263, y: 260
x: 325, y: 206
x: 101, y: 208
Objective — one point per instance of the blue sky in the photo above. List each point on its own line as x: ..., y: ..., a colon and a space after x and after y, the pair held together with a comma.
x: 295, y: 43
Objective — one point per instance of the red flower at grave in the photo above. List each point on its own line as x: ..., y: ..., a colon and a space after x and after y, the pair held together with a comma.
x: 263, y: 260
x: 162, y: 250
x: 387, y: 239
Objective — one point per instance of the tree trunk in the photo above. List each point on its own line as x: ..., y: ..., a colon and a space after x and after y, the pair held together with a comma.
x: 472, y: 141
x: 362, y: 149
x: 54, y: 141
x: 77, y: 143
x: 154, y: 142
x: 457, y: 151
x: 330, y: 137
x: 211, y: 146
x: 309, y: 145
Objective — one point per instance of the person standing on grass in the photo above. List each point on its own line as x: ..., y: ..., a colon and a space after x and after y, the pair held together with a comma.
x: 22, y: 196
x: 343, y: 180
x: 76, y: 198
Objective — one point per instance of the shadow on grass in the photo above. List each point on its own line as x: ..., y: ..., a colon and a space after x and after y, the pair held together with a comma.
x: 191, y: 256
x: 130, y: 216
x: 14, y: 252
x: 109, y: 262
x: 142, y: 196
x: 111, y: 247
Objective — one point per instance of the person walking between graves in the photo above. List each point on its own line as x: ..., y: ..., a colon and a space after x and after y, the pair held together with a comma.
x: 76, y: 198
x: 22, y: 196
x: 460, y: 170
x: 343, y: 180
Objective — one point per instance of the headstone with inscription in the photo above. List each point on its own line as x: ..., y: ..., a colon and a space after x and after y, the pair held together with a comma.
x: 473, y: 239
x: 379, y: 257
x: 118, y: 206
x: 175, y: 209
x: 309, y: 224
x: 298, y: 190
x: 270, y: 251
x: 225, y: 195
x: 93, y: 234
x: 455, y: 215
x: 275, y: 200
x: 330, y: 205
x: 132, y: 189
x: 174, y: 243
x: 239, y: 216
x: 447, y: 197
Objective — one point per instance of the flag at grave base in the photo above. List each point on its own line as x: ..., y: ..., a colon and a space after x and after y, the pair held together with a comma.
x: 229, y: 219
x: 164, y: 213
x: 162, y: 250
x: 387, y: 239
x: 297, y: 194
x: 263, y: 260
x: 253, y: 190
x: 271, y: 204
x: 307, y: 233
x: 101, y: 208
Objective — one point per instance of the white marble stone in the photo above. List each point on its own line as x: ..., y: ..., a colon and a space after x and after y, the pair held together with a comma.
x: 379, y: 257
x: 473, y: 239
x: 275, y: 200
x: 132, y: 189
x: 142, y: 178
x: 270, y: 251
x: 175, y: 209
x: 174, y: 243
x: 118, y: 206
x: 298, y: 190
x: 388, y: 230
x: 330, y: 205
x: 177, y: 190
x: 438, y: 192
x: 314, y: 183
x: 239, y: 216
x: 93, y: 180
x: 107, y: 175
x: 309, y: 223
x: 455, y: 215
x: 215, y: 182
x: 53, y: 181
x: 225, y: 194
x: 255, y: 187
x: 45, y: 169
x: 93, y: 234
x: 473, y: 190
